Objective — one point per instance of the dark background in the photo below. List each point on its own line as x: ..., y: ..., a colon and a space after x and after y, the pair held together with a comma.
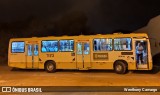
x: 28, y: 18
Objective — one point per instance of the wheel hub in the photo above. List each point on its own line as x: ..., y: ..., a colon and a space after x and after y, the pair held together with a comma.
x: 50, y: 67
x: 118, y: 67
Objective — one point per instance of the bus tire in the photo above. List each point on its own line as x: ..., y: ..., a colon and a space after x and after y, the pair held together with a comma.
x: 120, y: 67
x: 50, y: 66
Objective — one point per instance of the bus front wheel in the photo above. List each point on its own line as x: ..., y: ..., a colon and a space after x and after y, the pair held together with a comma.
x: 50, y: 66
x: 120, y: 67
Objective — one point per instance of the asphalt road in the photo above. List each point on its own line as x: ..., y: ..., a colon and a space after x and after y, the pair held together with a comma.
x: 19, y: 77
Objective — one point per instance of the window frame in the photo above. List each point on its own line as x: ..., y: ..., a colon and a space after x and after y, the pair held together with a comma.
x: 23, y: 48
x: 67, y: 51
x: 50, y: 51
x: 107, y: 44
x: 120, y: 44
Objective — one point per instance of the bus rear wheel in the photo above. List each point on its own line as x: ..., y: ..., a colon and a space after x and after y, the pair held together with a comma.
x: 50, y: 66
x: 120, y: 67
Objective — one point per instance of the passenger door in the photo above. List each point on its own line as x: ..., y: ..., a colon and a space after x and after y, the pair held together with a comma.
x: 32, y: 56
x: 83, y: 55
x: 141, y: 53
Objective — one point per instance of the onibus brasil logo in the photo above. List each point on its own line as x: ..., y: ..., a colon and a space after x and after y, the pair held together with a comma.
x: 19, y: 89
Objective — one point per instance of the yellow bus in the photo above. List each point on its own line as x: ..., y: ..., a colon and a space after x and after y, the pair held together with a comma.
x: 116, y: 51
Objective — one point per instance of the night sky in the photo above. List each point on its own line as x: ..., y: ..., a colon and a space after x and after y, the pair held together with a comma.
x: 39, y: 18
x: 103, y: 16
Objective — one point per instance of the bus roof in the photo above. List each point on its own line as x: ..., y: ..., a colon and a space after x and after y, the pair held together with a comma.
x: 115, y: 35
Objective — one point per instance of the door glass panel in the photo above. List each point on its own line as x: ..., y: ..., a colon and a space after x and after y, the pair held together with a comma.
x: 86, y: 48
x: 79, y: 48
x: 29, y: 50
x: 35, y: 50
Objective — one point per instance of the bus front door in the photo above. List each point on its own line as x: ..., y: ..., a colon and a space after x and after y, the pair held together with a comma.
x: 83, y: 55
x: 141, y: 53
x: 32, y: 56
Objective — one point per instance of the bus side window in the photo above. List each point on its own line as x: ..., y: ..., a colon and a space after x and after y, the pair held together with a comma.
x: 18, y: 47
x: 122, y: 44
x: 66, y: 45
x: 49, y: 46
x: 103, y: 44
x: 95, y: 47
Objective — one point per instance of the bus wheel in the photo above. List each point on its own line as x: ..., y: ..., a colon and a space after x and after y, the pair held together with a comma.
x: 50, y: 66
x: 120, y: 67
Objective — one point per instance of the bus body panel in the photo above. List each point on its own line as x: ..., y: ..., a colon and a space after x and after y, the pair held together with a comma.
x: 89, y: 59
